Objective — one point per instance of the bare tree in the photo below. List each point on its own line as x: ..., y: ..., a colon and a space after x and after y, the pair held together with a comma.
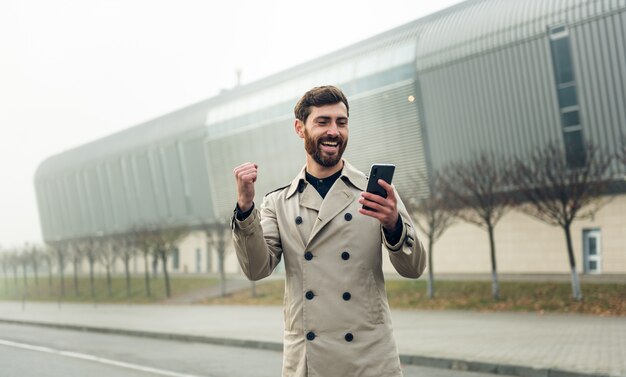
x: 126, y: 249
x: 167, y: 240
x: 24, y: 261
x: 5, y: 263
x: 217, y: 233
x: 557, y: 194
x: 432, y: 215
x: 106, y: 256
x: 145, y: 240
x: 89, y: 248
x: 76, y: 254
x: 60, y: 251
x: 48, y: 258
x: 476, y: 189
x: 14, y: 263
x: 34, y: 258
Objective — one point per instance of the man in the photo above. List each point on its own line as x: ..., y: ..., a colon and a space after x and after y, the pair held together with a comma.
x: 337, y: 321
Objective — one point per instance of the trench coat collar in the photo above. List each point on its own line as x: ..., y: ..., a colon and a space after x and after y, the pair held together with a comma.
x: 349, y: 173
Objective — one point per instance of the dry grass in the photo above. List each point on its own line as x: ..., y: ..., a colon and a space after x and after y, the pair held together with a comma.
x: 599, y: 299
x: 606, y: 299
x: 44, y: 291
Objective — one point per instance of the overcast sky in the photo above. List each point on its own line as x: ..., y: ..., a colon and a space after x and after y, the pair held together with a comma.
x: 72, y: 71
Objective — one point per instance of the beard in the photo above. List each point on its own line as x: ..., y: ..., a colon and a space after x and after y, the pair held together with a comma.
x: 314, y: 148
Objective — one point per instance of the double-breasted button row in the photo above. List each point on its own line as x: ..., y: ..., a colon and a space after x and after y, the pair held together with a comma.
x: 347, y: 217
x: 309, y: 255
x: 311, y: 336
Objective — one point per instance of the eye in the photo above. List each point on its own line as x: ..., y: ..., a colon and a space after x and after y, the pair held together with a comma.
x: 322, y: 122
x: 342, y: 122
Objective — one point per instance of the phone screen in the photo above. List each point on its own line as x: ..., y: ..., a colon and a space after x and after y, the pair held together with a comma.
x: 379, y: 171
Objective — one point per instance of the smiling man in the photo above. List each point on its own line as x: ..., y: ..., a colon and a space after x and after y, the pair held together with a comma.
x: 337, y: 320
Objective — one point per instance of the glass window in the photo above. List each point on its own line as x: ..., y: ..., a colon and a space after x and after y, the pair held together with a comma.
x: 574, y: 148
x: 567, y: 96
x: 562, y: 60
x: 592, y: 246
x: 198, y: 261
x: 570, y: 118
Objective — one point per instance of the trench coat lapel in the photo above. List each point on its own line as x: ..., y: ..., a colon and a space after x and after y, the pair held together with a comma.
x: 311, y: 199
x: 338, y: 198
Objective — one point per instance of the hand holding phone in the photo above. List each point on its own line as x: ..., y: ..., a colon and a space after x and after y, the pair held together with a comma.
x: 379, y: 171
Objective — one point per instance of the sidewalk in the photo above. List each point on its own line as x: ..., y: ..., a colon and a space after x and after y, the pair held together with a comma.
x: 504, y: 343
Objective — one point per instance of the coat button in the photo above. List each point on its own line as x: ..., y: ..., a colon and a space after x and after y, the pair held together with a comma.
x: 345, y: 255
x: 311, y: 335
x: 298, y: 220
x: 347, y: 296
x: 308, y: 255
x: 309, y: 295
x: 349, y: 337
x: 347, y: 216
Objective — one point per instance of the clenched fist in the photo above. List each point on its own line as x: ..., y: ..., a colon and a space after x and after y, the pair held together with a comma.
x: 245, y: 175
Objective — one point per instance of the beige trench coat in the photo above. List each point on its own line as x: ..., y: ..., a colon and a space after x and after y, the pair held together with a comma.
x: 337, y: 320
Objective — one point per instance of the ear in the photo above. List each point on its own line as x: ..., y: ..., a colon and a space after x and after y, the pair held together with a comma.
x: 299, y: 128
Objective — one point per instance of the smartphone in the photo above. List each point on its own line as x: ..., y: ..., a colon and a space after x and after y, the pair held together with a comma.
x: 379, y: 171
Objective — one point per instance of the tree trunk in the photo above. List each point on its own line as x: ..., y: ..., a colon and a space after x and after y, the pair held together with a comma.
x: 15, y: 280
x: 220, y: 255
x: 25, y: 285
x: 35, y: 271
x: 62, y: 273
x: 127, y: 271
x: 24, y: 278
x: 147, y: 272
x: 168, y: 289
x: 92, y: 284
x: 76, y: 292
x: 495, y: 289
x: 6, y: 281
x: 576, y: 292
x: 109, y: 288
x: 49, y: 278
x: 431, y: 276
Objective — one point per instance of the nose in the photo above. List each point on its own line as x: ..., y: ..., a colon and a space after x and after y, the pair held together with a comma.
x: 332, y: 129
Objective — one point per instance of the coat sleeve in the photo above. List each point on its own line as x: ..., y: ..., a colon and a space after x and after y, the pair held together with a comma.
x: 407, y: 255
x: 257, y: 241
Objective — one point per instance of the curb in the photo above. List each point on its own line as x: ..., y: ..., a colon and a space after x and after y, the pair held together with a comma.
x: 425, y: 361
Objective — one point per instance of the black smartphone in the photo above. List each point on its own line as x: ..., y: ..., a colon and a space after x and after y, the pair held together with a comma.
x: 379, y: 171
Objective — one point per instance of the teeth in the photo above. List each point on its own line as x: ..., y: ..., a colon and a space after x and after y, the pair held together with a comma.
x: 329, y: 144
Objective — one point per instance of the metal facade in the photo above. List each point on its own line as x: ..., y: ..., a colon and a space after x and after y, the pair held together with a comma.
x: 475, y: 77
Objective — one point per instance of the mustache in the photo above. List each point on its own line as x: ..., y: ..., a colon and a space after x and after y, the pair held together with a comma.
x: 338, y: 139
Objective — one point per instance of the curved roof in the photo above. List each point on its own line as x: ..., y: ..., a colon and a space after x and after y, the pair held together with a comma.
x: 188, y: 119
x: 468, y: 28
x: 477, y: 26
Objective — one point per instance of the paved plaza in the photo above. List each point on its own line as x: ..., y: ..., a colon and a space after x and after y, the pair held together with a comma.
x: 526, y: 343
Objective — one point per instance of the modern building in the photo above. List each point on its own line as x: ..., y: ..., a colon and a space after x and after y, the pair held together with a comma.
x: 485, y: 75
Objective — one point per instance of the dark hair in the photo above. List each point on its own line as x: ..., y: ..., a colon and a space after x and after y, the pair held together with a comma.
x: 319, y: 96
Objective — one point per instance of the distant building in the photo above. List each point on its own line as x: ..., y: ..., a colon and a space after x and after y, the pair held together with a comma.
x: 497, y: 75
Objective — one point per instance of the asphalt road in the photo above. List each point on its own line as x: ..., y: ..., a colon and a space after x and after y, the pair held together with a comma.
x: 35, y: 351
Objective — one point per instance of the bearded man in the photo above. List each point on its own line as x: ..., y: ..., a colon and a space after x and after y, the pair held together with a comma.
x: 337, y: 320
